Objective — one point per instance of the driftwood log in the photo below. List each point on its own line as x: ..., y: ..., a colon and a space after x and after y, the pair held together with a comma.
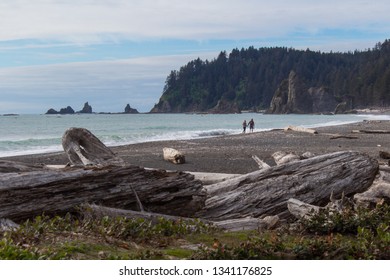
x: 84, y: 148
x: 266, y: 192
x: 281, y: 157
x: 104, y: 179
x: 300, y: 129
x: 371, y: 131
x: 27, y: 194
x: 173, y: 155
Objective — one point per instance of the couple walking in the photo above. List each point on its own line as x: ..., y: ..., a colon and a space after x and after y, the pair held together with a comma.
x: 251, y: 125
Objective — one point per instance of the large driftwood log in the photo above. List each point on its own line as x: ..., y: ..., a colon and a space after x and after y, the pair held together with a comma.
x: 27, y: 194
x: 266, y: 192
x: 84, y: 148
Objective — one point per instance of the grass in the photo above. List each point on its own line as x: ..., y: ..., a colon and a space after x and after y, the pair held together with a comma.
x: 361, y: 234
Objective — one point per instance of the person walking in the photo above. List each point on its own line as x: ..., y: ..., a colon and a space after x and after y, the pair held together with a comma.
x: 244, y: 126
x: 251, y: 125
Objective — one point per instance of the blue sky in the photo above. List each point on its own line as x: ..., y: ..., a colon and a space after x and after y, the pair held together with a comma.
x: 55, y: 53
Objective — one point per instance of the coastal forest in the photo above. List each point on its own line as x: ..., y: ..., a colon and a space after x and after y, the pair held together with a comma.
x: 249, y: 78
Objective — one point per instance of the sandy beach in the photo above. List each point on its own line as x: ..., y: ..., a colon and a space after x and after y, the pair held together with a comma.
x: 233, y: 154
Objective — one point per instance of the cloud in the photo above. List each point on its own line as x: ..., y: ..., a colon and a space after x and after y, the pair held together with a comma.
x: 107, y: 85
x: 89, y: 22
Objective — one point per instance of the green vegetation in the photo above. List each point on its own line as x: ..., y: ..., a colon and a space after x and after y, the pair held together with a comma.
x: 251, y: 76
x: 361, y: 234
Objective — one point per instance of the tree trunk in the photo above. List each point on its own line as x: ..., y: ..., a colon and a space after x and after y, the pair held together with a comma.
x: 27, y: 194
x: 266, y: 192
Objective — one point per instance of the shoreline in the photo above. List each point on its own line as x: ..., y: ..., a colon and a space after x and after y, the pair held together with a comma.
x: 233, y: 153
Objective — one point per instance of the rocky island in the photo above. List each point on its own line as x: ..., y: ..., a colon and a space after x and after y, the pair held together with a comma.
x: 87, y: 109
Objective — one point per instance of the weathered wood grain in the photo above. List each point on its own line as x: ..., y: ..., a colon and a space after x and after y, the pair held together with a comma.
x: 266, y: 192
x: 27, y: 194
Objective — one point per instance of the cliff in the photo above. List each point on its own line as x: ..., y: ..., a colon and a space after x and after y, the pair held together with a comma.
x: 294, y: 97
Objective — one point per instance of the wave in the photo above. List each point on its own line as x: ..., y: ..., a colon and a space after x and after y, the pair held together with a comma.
x: 28, y: 139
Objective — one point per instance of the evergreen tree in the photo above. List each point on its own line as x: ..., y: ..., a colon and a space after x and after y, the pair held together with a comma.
x: 251, y: 76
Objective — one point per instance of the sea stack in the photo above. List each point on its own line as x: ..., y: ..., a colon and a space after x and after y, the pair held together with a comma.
x: 129, y: 110
x: 87, y: 109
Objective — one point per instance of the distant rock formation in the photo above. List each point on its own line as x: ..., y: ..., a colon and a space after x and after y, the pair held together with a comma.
x: 63, y: 111
x: 51, y: 111
x: 129, y: 110
x: 87, y: 109
x: 294, y: 97
x: 225, y: 107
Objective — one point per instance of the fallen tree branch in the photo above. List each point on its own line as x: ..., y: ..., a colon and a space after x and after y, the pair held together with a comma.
x: 260, y: 163
x: 371, y: 131
x: 338, y: 136
x: 98, y: 212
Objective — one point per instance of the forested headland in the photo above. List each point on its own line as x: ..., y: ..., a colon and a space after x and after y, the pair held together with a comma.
x: 248, y: 79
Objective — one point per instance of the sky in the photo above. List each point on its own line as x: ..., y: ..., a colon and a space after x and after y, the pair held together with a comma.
x: 55, y: 53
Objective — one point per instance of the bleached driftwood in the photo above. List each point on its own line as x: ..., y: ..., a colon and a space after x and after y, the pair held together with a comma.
x: 266, y: 192
x: 211, y: 178
x: 377, y: 193
x: 281, y: 157
x: 84, y: 148
x: 300, y: 129
x: 260, y: 163
x: 173, y: 155
x: 301, y: 210
x: 248, y: 223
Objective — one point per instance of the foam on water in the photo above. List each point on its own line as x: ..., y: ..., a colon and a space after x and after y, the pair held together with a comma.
x: 31, y: 134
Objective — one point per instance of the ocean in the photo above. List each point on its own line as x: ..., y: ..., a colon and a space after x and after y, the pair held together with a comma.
x: 31, y: 134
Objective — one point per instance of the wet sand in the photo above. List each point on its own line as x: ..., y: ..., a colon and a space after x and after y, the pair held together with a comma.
x: 233, y: 153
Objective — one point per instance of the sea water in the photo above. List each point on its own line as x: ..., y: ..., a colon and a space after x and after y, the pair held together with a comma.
x: 30, y: 134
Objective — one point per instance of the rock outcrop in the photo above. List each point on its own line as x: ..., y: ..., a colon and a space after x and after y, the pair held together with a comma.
x: 225, y: 107
x: 51, y: 111
x: 162, y: 107
x: 323, y: 100
x: 129, y: 110
x: 63, y: 111
x: 294, y: 97
x: 87, y: 109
